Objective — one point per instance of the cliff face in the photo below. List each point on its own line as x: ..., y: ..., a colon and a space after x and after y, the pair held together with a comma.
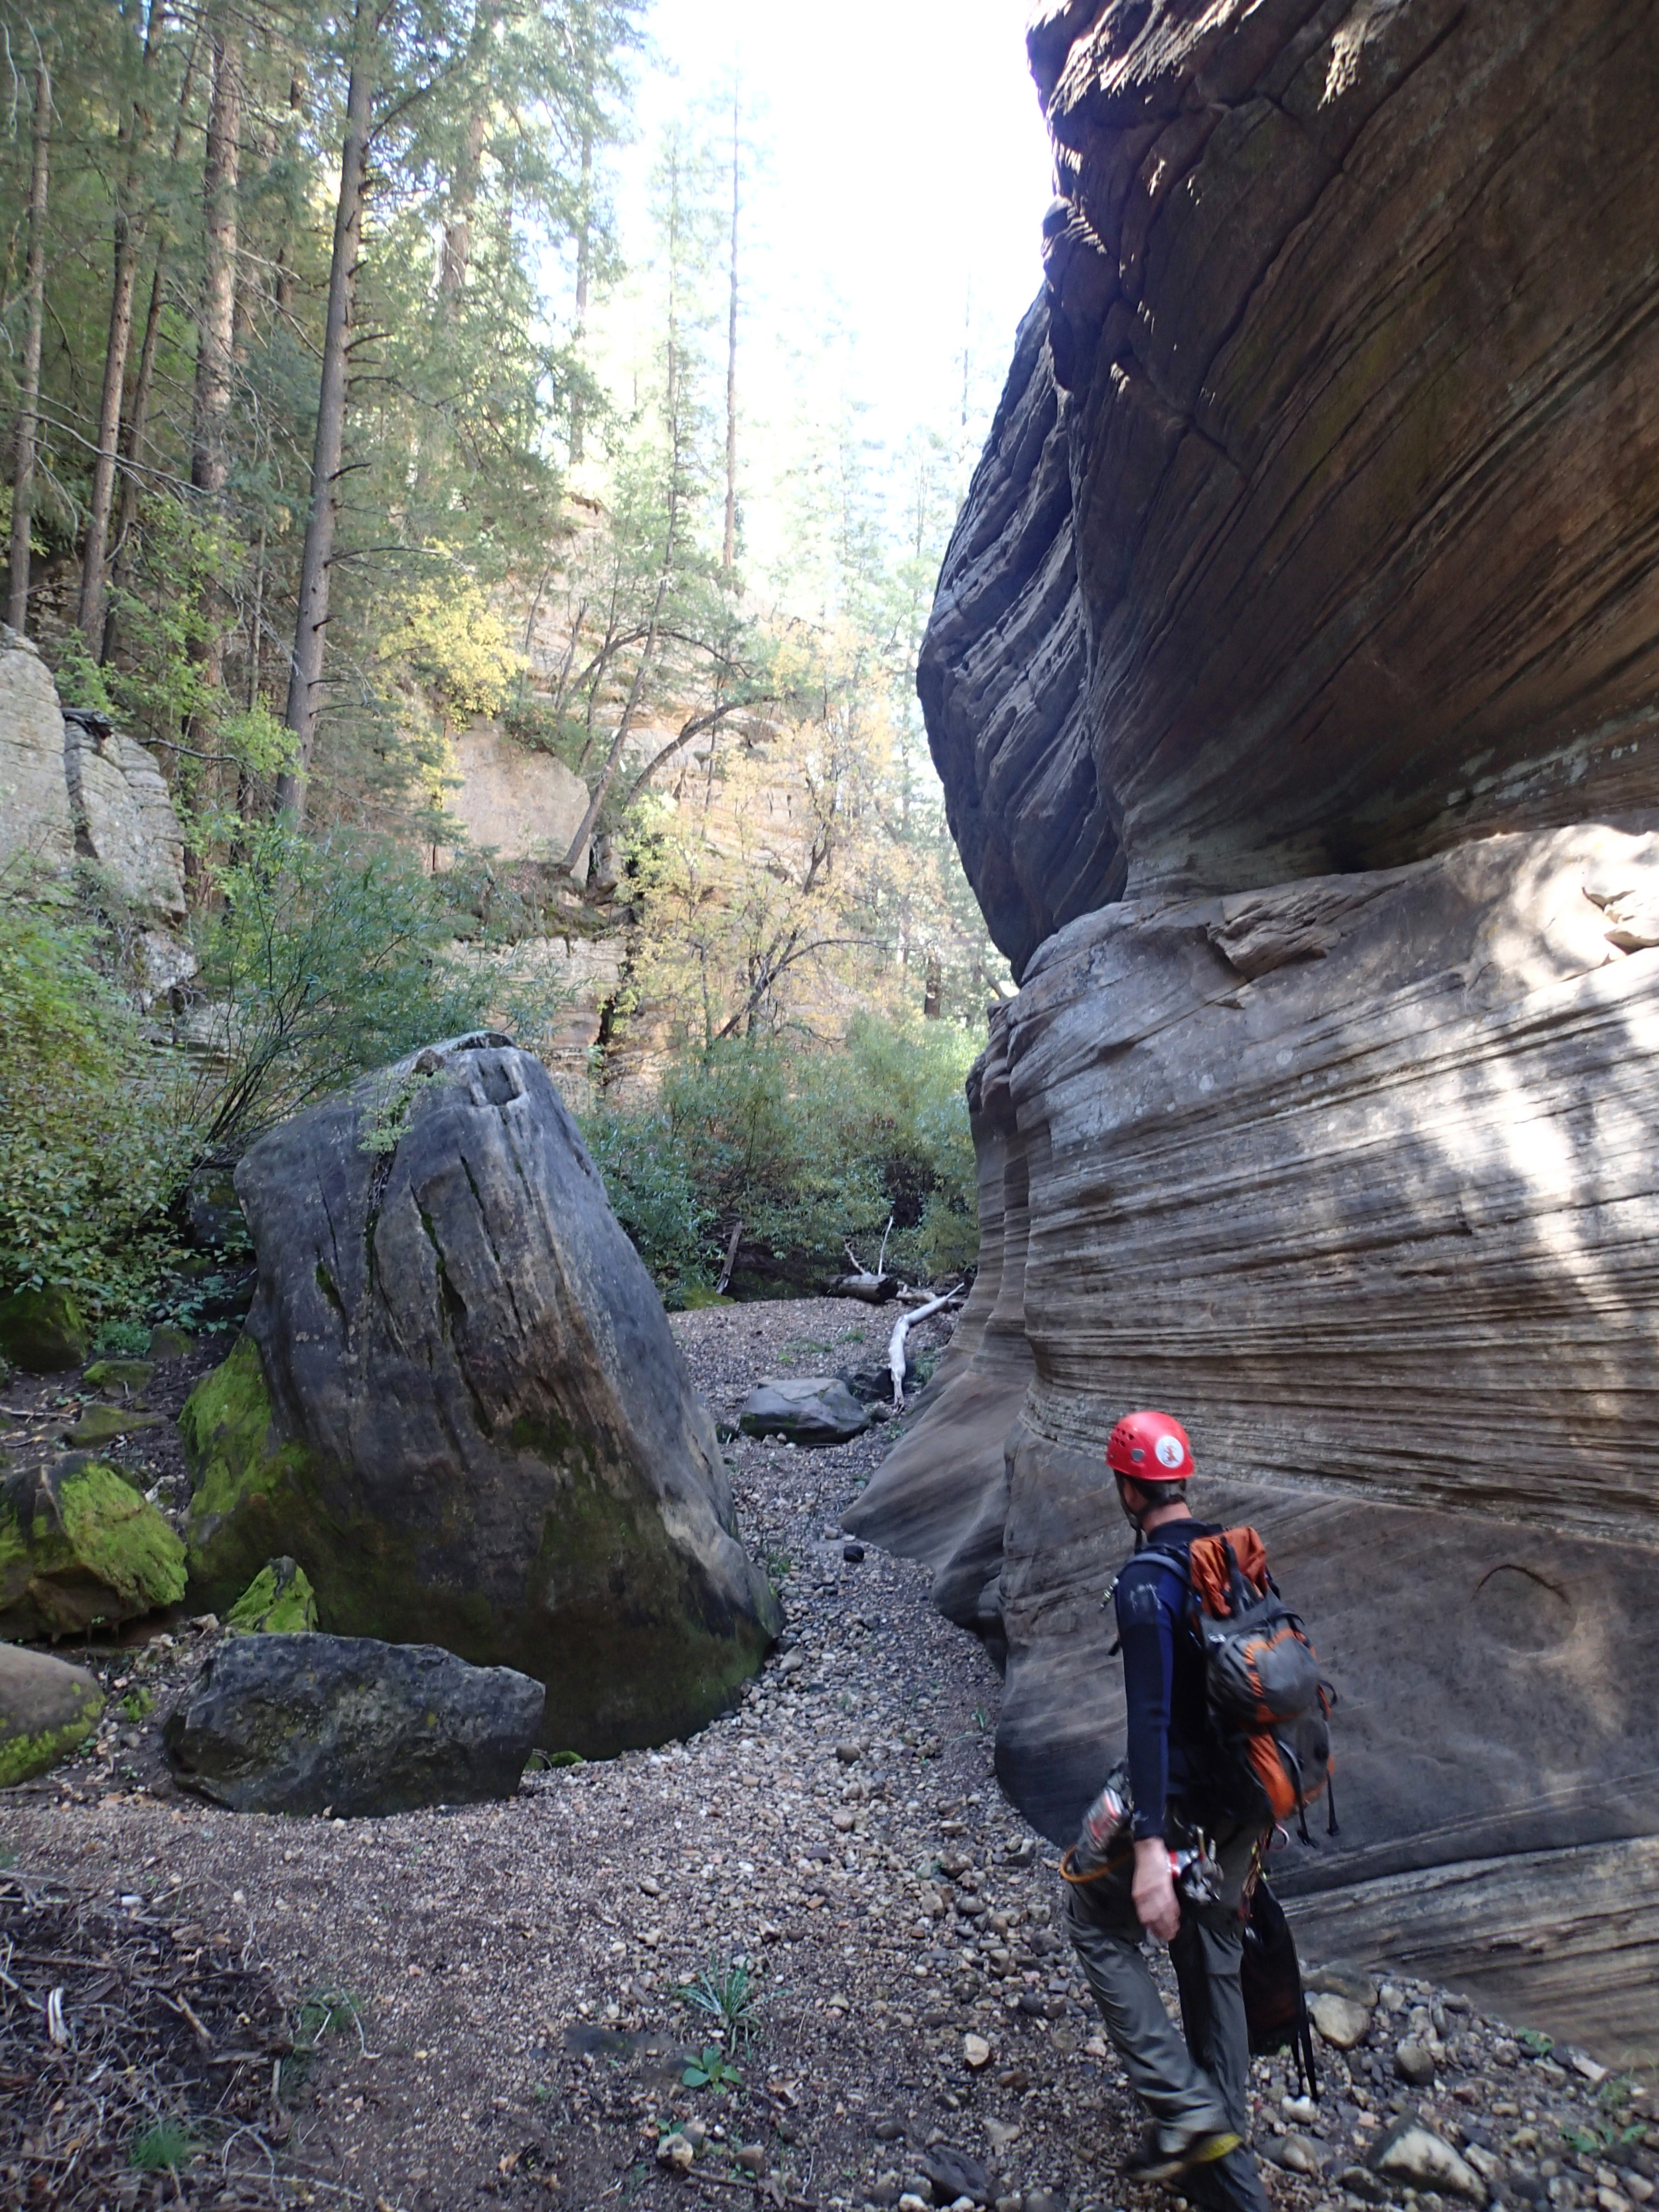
x: 1294, y: 677
x: 1337, y: 476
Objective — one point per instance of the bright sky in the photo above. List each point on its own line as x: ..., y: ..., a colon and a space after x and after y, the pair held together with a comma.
x: 904, y: 177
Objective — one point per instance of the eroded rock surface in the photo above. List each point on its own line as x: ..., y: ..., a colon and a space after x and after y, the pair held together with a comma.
x: 1362, y: 1177
x: 281, y: 1723
x: 1316, y: 527
x: 459, y: 1407
x: 35, y: 810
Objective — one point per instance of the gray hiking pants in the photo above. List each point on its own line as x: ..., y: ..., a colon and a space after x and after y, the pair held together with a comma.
x: 1196, y: 2081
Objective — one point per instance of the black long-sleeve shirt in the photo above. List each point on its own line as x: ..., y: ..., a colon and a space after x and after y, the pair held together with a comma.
x: 1163, y: 1679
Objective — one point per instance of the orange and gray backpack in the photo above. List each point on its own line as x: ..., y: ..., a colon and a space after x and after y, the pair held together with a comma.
x: 1269, y: 1709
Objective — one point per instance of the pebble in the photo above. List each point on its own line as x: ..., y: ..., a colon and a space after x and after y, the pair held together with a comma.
x: 1296, y: 2154
x: 1342, y: 2022
x: 977, y: 2050
x: 1414, y: 2063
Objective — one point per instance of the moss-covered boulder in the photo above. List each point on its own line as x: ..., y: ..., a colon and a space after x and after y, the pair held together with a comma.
x: 47, y: 1708
x: 278, y: 1601
x: 41, y: 1330
x: 97, y: 1425
x: 120, y: 1375
x: 79, y: 1545
x: 458, y: 1405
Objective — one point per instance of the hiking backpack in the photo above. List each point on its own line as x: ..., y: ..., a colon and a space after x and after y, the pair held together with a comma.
x: 1269, y: 1708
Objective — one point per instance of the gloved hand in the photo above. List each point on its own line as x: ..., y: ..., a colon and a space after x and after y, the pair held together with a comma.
x: 1157, y: 1906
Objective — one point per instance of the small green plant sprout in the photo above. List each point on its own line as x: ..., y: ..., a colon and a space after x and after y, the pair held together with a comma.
x: 727, y: 1997
x: 323, y: 2014
x: 1540, y: 2044
x: 711, y: 2069
x: 164, y: 2146
x: 138, y: 1705
x: 387, y: 1120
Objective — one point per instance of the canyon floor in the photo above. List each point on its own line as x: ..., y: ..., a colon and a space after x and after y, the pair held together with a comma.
x: 487, y: 1997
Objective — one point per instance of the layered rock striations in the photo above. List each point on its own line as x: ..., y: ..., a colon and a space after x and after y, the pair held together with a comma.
x: 1327, y: 1113
x: 1351, y: 351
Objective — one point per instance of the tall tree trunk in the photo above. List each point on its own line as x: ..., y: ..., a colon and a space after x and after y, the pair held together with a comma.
x: 457, y: 226
x: 209, y: 459
x: 306, y: 669
x: 28, y: 410
x: 134, y: 134
x: 729, y: 547
x: 282, y: 291
x: 137, y: 429
x: 584, y: 268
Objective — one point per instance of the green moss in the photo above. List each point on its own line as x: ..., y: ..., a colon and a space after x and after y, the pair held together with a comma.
x: 102, y: 1424
x: 22, y: 1757
x: 78, y: 1544
x: 42, y: 1330
x: 120, y: 1537
x: 120, y: 1374
x: 246, y: 1481
x: 278, y: 1601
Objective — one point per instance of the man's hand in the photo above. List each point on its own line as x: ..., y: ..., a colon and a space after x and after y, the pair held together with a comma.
x: 1157, y: 1906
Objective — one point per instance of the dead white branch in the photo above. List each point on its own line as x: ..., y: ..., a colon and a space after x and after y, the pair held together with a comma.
x: 901, y: 1329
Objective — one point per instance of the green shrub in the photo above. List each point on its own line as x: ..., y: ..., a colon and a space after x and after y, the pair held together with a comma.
x: 809, y: 1147
x: 90, y: 1155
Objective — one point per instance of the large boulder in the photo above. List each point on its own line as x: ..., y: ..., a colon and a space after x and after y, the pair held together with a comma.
x: 803, y: 1409
x: 81, y: 1547
x: 47, y: 1708
x: 35, y: 810
x: 123, y: 815
x: 459, y: 1406
x: 345, y: 1725
x: 1313, y: 529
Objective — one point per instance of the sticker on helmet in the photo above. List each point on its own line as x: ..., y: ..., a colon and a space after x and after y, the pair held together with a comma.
x: 1169, y: 1451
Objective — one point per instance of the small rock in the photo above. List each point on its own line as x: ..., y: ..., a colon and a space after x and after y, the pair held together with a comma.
x: 1340, y: 2020
x: 278, y: 1601
x: 911, y: 2202
x: 886, y: 2190
x: 889, y: 2131
x: 853, y: 1553
x: 1044, y: 2200
x: 1342, y: 1981
x: 674, y: 2150
x: 1582, y: 2064
x: 998, y: 2134
x: 791, y: 1663
x: 843, y: 1823
x: 1296, y: 2154
x: 1410, y: 2151
x: 1011, y: 2204
x: 848, y: 1754
x: 46, y: 1706
x: 102, y: 1424
x: 1359, y: 2182
x: 977, y: 2050
x: 953, y: 2175
x: 41, y: 1330
x: 120, y: 1374
x: 1414, y: 2063
x: 1299, y: 2108
x: 649, y: 1886
x: 171, y: 1343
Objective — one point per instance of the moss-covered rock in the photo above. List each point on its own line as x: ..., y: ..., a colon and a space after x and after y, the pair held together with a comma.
x: 120, y: 1374
x: 278, y: 1601
x: 46, y: 1709
x: 79, y: 1545
x: 42, y: 1330
x: 171, y: 1343
x: 459, y: 1407
x: 100, y: 1425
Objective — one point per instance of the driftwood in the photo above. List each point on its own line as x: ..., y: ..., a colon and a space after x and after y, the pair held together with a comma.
x: 901, y: 1329
x: 874, y: 1284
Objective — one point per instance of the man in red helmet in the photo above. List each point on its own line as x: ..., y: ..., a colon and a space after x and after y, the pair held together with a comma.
x: 1195, y: 2085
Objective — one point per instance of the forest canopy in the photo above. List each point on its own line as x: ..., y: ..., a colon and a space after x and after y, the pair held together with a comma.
x: 314, y: 459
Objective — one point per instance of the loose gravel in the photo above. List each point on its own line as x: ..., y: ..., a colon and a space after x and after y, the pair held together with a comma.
x: 500, y: 1985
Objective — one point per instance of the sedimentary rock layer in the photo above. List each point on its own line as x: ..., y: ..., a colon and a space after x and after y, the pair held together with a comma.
x: 459, y: 1407
x: 1336, y: 478
x: 1360, y: 1176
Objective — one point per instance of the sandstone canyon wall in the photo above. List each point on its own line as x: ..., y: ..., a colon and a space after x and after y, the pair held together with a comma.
x: 1294, y: 678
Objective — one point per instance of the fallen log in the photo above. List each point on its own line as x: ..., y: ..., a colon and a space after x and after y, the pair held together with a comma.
x: 901, y: 1329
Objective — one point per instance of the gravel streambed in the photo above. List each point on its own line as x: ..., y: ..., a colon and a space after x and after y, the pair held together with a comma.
x: 498, y: 1985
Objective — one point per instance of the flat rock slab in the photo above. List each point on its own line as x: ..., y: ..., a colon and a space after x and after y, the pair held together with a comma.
x: 813, y: 1409
x: 301, y: 1724
x: 46, y: 1706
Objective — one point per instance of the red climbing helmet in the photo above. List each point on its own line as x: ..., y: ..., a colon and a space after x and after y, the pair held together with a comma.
x: 1150, y: 1447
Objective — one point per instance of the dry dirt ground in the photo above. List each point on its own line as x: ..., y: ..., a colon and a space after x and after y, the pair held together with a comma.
x: 492, y: 1991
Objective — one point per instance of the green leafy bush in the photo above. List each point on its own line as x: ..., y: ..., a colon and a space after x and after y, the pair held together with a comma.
x: 89, y: 1158
x: 328, y: 958
x: 809, y: 1147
